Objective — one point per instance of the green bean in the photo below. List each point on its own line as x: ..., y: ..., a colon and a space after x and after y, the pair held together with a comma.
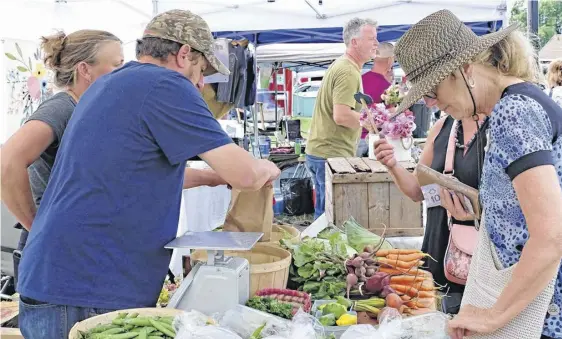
x: 133, y: 315
x: 148, y: 329
x: 168, y: 326
x: 143, y: 321
x: 118, y: 321
x: 128, y: 335
x: 100, y: 328
x: 160, y: 327
x: 143, y: 334
x: 113, y: 331
x: 155, y: 337
x: 122, y: 315
x: 167, y: 320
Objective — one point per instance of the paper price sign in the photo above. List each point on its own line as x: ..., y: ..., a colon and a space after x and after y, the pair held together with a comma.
x: 431, y: 195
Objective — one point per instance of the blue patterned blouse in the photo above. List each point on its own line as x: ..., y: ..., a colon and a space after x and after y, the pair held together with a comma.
x: 525, y: 131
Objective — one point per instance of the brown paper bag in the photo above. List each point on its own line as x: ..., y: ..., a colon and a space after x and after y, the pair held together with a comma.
x: 251, y: 212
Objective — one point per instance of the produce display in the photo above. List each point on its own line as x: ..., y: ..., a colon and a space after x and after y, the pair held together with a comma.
x: 167, y: 291
x: 353, y: 276
x: 271, y: 306
x: 296, y: 298
x: 127, y: 326
x: 360, y: 270
x: 359, y: 238
x: 395, y: 275
x: 335, y: 314
x: 317, y: 265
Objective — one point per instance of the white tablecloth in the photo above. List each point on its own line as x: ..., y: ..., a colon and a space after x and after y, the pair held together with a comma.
x: 202, y: 209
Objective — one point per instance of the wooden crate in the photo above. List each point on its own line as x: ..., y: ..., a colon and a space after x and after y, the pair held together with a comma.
x: 363, y: 189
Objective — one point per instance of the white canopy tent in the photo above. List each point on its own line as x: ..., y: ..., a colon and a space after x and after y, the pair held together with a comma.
x: 310, y: 31
x: 263, y: 21
x: 314, y: 29
x: 291, y: 53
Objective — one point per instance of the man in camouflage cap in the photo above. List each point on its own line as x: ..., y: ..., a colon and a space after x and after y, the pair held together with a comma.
x: 186, y: 28
x: 113, y: 199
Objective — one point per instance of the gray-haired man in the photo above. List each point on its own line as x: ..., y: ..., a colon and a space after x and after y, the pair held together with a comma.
x: 335, y: 123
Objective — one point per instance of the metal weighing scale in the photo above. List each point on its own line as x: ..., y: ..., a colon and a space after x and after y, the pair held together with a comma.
x: 222, y: 282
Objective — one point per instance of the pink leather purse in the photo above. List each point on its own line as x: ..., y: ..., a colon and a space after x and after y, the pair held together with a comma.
x: 462, y: 238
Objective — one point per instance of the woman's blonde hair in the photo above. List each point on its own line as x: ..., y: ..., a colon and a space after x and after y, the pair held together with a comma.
x: 554, y: 74
x: 513, y: 56
x: 62, y: 53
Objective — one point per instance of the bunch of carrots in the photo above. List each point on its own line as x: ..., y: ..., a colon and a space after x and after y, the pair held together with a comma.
x: 414, y: 285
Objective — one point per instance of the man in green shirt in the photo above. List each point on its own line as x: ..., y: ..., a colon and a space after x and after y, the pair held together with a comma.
x: 335, y: 125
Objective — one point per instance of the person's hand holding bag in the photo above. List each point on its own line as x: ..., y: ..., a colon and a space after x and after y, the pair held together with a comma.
x: 453, y: 203
x: 274, y: 171
x: 384, y: 152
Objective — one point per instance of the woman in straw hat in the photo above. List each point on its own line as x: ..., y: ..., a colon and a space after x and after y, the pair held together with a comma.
x: 514, y: 288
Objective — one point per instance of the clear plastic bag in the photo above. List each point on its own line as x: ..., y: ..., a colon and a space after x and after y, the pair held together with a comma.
x: 303, y: 326
x: 245, y: 321
x: 196, y: 325
x: 426, y: 326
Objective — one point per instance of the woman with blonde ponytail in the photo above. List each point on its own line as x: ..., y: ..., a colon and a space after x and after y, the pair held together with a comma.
x: 27, y: 158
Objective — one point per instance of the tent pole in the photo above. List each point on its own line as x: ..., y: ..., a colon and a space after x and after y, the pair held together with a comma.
x: 533, y: 22
x: 275, y: 69
x: 255, y: 145
x: 154, y: 7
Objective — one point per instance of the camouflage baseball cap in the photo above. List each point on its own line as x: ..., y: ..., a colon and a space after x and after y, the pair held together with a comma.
x: 186, y: 28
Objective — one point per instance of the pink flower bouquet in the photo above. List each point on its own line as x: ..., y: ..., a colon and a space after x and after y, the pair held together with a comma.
x: 394, y: 95
x: 377, y: 119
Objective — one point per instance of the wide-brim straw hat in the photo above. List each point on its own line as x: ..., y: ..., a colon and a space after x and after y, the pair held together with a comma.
x: 434, y: 48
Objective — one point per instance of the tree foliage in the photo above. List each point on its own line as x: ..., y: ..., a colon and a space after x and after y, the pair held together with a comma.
x: 550, y: 18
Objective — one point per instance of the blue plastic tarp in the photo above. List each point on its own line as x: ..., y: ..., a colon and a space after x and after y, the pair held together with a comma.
x: 334, y: 34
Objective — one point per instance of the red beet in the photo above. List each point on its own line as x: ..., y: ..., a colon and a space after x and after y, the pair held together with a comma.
x: 357, y: 262
x: 351, y: 280
x: 386, y: 290
x: 375, y: 283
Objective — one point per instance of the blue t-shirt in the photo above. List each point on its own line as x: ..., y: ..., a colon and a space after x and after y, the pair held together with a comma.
x: 113, y: 199
x: 525, y: 132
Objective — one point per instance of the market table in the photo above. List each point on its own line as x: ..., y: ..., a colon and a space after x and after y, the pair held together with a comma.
x: 202, y: 209
x: 10, y: 333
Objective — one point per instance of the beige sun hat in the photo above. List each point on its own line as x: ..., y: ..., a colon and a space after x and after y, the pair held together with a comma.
x: 434, y: 48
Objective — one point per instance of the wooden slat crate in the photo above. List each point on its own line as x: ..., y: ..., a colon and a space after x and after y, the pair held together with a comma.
x: 363, y: 188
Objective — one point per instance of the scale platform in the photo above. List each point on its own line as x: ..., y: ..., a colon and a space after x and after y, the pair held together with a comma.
x: 216, y: 241
x: 222, y: 282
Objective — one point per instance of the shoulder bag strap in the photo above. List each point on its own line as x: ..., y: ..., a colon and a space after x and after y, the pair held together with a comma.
x: 450, y: 157
x: 450, y: 160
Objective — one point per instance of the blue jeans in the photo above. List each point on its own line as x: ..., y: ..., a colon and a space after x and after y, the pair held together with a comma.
x: 38, y: 320
x: 316, y: 167
x: 363, y: 148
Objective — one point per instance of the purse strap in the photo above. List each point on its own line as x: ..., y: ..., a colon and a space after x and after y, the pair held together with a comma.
x: 450, y: 160
x: 450, y: 157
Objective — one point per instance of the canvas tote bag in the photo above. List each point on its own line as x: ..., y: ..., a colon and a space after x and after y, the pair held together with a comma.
x: 487, y: 279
